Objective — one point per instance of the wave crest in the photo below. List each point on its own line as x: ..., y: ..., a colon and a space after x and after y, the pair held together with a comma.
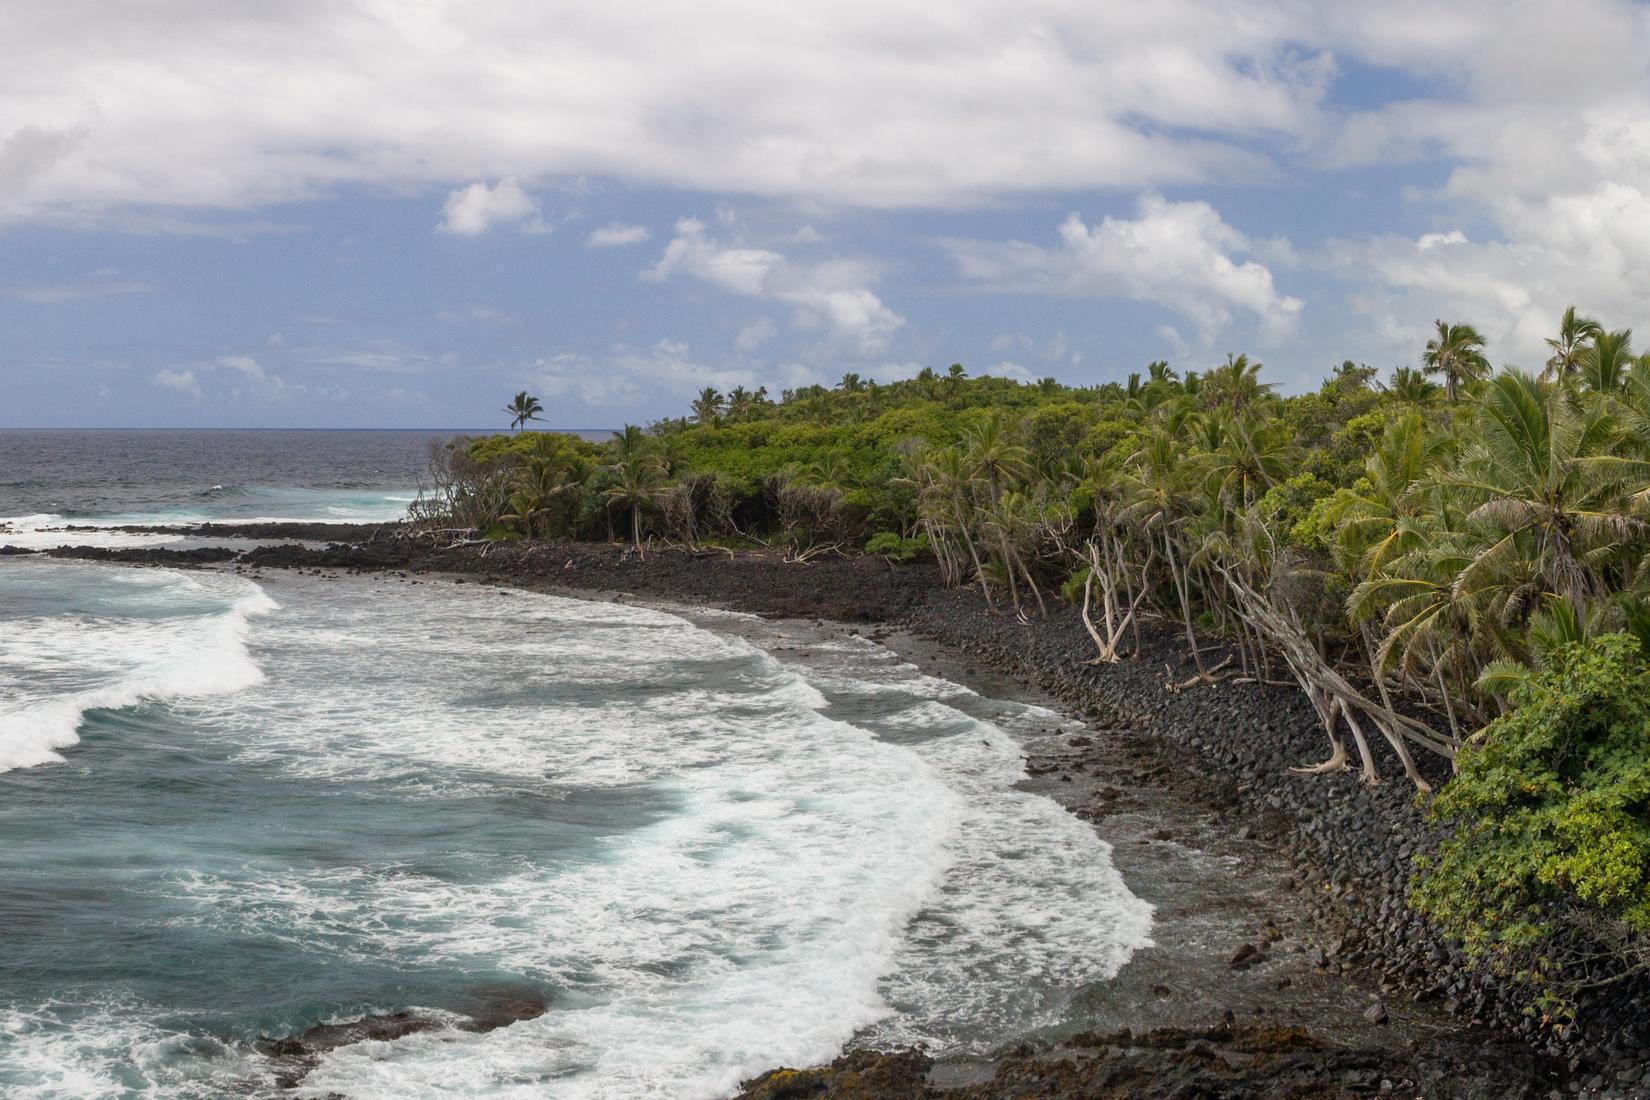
x: 194, y: 648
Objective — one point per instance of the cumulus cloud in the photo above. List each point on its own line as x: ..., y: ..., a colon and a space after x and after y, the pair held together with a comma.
x: 616, y: 235
x: 833, y: 293
x: 1179, y: 255
x: 474, y: 210
x: 1542, y: 123
x: 181, y: 380
x: 439, y: 92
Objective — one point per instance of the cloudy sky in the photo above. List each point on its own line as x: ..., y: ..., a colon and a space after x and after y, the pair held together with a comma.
x: 399, y: 212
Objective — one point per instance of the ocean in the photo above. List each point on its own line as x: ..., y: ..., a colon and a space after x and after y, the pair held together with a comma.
x: 232, y: 809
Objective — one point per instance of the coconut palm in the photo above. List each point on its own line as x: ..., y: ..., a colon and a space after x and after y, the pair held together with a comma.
x: 634, y: 484
x: 1411, y: 386
x: 1456, y: 353
x: 1249, y: 457
x: 707, y: 407
x: 1575, y: 333
x: 994, y: 456
x: 1549, y: 470
x: 525, y: 407
x: 1603, y: 364
x: 1387, y: 513
x: 1235, y: 385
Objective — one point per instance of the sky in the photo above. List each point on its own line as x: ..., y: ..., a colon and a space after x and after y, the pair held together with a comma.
x: 398, y: 213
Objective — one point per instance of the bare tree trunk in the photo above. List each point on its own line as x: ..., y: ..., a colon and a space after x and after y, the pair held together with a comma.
x: 973, y: 554
x: 1185, y: 602
x: 1042, y: 608
x: 1327, y: 712
x: 1008, y: 568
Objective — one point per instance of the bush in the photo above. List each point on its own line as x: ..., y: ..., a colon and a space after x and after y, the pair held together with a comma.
x: 1551, y: 854
x: 895, y: 547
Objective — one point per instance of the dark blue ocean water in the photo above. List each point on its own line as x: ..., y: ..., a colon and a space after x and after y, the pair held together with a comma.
x: 206, y: 474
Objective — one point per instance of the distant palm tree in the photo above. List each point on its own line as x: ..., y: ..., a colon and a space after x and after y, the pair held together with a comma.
x: 1575, y: 333
x: 1457, y: 353
x: 707, y: 407
x: 635, y: 485
x: 1235, y: 385
x: 525, y: 407
x: 1411, y: 386
x: 851, y: 383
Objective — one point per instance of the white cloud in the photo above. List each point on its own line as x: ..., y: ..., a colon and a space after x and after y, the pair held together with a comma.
x: 181, y: 380
x: 474, y: 210
x: 244, y: 364
x: 238, y: 106
x: 833, y: 293
x: 615, y: 235
x: 1177, y: 254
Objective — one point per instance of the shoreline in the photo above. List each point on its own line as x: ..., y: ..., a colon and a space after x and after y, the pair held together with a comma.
x: 1322, y: 937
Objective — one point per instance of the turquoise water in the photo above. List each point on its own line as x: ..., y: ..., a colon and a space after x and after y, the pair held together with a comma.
x: 234, y: 809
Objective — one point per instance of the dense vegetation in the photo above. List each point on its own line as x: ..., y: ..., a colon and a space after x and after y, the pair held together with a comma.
x: 1457, y: 567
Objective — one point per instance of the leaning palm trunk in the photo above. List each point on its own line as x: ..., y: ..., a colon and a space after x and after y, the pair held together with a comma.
x: 973, y: 552
x: 1008, y: 570
x: 1319, y: 679
x: 1031, y: 582
x: 1204, y: 675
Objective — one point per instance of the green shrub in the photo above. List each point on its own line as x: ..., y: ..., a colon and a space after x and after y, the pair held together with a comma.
x: 1551, y: 849
x: 895, y: 547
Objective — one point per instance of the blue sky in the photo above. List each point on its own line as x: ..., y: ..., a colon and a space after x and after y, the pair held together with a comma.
x: 399, y: 212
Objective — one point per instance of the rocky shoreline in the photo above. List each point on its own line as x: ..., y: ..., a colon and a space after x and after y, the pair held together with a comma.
x: 1228, y: 747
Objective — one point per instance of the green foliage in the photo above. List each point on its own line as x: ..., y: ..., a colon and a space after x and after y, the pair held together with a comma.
x: 896, y: 547
x: 1071, y: 590
x: 1552, y: 815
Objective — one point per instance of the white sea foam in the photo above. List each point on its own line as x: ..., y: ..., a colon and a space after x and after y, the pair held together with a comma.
x: 131, y: 637
x: 112, y: 1050
x: 795, y: 879
x: 44, y: 530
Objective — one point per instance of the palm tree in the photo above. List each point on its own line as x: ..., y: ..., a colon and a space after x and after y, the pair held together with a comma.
x: 1457, y: 353
x: 631, y: 443
x: 525, y: 407
x: 1574, y: 334
x: 1604, y: 363
x: 1411, y: 386
x: 851, y: 383
x: 994, y: 455
x: 634, y: 484
x: 707, y: 407
x: 1548, y: 471
x: 1157, y: 484
x: 954, y: 480
x: 1235, y: 385
x: 1250, y: 457
x: 1385, y: 515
